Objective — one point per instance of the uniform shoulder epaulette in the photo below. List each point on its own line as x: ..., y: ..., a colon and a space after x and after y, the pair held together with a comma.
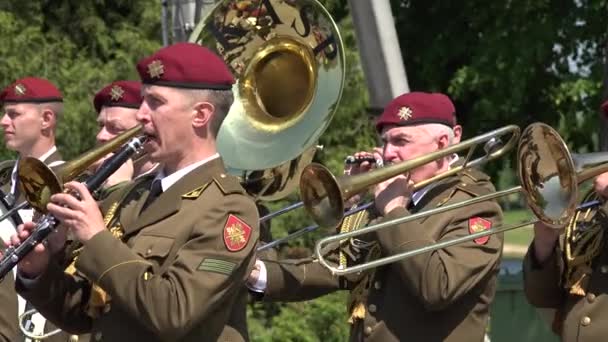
x: 228, y: 184
x: 474, y: 175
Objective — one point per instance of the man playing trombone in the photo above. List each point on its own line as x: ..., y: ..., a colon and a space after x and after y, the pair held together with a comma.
x: 116, y: 105
x: 438, y: 296
x: 570, y: 275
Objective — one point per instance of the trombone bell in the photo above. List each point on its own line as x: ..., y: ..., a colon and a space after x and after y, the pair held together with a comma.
x: 547, y: 175
x: 38, y: 182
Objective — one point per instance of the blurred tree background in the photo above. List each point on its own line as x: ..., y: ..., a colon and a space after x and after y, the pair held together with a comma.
x: 502, y: 62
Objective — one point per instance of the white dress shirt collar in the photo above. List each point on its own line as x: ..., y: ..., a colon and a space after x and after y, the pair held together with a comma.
x: 168, y: 181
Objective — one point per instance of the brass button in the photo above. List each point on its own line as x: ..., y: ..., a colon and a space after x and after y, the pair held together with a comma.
x: 372, y: 308
x: 590, y: 297
x: 377, y: 285
x: 223, y: 175
x: 107, y: 308
x: 148, y: 251
x: 367, y: 330
x: 585, y: 321
x: 604, y: 269
x: 73, y: 338
x: 98, y: 336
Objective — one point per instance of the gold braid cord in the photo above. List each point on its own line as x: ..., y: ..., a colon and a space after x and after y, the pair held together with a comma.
x: 99, y: 298
x: 358, y: 296
x: 583, y: 241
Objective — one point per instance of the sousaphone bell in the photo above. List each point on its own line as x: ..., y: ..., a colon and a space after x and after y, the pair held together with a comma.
x: 288, y: 59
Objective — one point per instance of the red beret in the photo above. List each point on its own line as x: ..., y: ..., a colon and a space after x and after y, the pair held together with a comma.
x: 605, y: 108
x: 418, y: 108
x: 119, y: 94
x: 185, y: 65
x: 31, y: 89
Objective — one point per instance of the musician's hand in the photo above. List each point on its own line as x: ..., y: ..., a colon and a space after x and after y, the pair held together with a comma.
x: 36, y: 262
x: 600, y: 184
x: 354, y: 169
x: 82, y: 217
x: 545, y: 239
x: 393, y: 193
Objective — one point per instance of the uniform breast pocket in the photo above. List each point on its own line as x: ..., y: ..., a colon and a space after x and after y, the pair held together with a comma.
x: 153, y: 248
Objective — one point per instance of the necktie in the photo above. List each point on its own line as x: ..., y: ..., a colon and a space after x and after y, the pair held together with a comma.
x: 155, y: 190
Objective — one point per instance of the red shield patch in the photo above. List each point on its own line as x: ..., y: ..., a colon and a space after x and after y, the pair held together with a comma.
x: 236, y: 233
x: 476, y: 225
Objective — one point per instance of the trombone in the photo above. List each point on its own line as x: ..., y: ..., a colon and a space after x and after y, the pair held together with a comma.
x: 324, y: 195
x: 549, y: 175
x: 326, y: 205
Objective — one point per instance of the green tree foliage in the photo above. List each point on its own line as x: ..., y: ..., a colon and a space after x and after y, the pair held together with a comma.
x: 510, y: 62
x: 80, y: 46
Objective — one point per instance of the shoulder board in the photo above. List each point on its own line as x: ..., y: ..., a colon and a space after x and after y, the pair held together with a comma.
x: 194, y: 194
x: 228, y: 184
x: 474, y: 189
x: 474, y: 175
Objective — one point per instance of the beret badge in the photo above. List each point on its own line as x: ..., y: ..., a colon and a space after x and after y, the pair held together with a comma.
x: 20, y: 89
x: 156, y: 69
x: 405, y: 113
x: 116, y: 93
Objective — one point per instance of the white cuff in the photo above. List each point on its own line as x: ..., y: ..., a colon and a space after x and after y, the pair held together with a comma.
x: 260, y: 284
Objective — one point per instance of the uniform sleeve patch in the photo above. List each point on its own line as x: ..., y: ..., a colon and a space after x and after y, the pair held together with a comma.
x: 236, y: 233
x: 216, y: 266
x: 478, y: 224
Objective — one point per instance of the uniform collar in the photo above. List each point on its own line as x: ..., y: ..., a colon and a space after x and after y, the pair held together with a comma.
x: 417, y: 196
x: 48, y: 153
x: 168, y: 181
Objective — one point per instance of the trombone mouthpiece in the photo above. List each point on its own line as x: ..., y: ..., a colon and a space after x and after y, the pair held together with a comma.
x: 350, y: 160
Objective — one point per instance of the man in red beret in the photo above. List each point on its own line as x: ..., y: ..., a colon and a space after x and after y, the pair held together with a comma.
x: 117, y: 104
x: 32, y: 107
x: 569, y: 276
x: 180, y: 244
x: 443, y: 295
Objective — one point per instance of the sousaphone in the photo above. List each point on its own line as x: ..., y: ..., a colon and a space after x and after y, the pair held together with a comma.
x: 288, y: 59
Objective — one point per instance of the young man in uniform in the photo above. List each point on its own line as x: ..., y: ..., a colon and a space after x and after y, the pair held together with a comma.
x: 570, y: 275
x: 443, y: 295
x: 180, y: 245
x: 32, y: 108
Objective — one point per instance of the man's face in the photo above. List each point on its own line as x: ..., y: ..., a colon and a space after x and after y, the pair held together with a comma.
x: 114, y: 121
x: 22, y: 124
x: 408, y: 142
x: 166, y: 114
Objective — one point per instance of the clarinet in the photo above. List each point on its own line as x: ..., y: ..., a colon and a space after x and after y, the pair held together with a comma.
x: 48, y: 223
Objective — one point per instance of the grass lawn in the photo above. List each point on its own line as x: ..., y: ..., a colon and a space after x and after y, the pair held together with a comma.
x: 519, y: 236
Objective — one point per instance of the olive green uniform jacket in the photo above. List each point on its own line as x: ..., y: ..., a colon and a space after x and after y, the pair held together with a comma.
x: 177, y: 274
x: 443, y: 295
x: 577, y: 318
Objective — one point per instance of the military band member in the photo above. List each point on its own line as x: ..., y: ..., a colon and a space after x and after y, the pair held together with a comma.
x: 570, y: 274
x: 180, y: 247
x: 116, y: 105
x: 32, y: 108
x: 439, y: 296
